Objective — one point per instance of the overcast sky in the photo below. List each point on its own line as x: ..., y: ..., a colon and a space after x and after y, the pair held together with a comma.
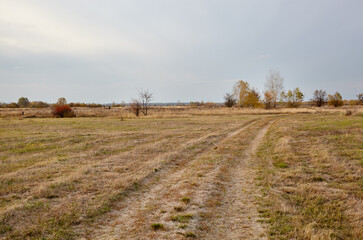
x: 104, y: 50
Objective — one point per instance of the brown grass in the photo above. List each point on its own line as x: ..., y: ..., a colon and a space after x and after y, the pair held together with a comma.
x: 172, y: 112
x: 56, y: 173
x: 311, y: 169
x: 69, y: 178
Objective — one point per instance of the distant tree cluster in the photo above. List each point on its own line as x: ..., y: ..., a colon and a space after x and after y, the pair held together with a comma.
x: 90, y: 105
x: 274, y: 95
x: 292, y: 98
x: 245, y: 96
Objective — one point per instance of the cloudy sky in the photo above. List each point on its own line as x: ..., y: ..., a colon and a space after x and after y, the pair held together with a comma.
x: 181, y: 50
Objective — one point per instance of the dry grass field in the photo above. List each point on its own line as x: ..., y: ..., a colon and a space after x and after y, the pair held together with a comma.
x: 209, y: 174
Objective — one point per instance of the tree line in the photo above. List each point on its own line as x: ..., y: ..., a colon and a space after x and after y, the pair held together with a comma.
x: 243, y: 95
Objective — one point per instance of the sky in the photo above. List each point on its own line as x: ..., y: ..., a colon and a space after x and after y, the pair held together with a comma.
x: 180, y: 50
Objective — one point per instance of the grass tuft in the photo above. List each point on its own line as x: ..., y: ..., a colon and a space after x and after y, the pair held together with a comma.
x: 157, y: 226
x: 182, y: 218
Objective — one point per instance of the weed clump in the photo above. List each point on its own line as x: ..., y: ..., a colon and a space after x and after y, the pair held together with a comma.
x: 178, y: 208
x: 190, y: 235
x: 281, y: 165
x: 185, y: 200
x: 182, y: 218
x: 182, y: 226
x: 157, y: 226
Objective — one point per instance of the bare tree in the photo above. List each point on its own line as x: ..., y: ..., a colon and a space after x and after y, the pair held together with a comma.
x: 229, y: 100
x: 319, y: 98
x: 274, y: 85
x: 145, y: 97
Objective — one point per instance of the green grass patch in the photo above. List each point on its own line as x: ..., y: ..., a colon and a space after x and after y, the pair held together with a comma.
x: 157, y: 226
x: 182, y: 218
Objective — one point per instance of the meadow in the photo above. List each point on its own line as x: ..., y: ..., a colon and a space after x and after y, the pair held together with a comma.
x: 181, y: 174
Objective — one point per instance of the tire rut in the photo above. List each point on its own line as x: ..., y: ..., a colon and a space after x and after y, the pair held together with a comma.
x: 126, y: 215
x: 237, y: 216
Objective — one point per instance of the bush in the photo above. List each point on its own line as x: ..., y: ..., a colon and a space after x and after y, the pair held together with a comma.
x: 335, y: 100
x: 12, y: 105
x: 63, y: 111
x: 135, y: 107
x: 39, y: 104
x: 350, y: 112
x: 229, y: 100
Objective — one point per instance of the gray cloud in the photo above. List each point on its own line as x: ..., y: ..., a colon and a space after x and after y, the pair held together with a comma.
x: 102, y: 51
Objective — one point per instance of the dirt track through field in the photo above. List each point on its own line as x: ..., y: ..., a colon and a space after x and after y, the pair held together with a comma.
x: 192, y: 177
x: 238, y: 216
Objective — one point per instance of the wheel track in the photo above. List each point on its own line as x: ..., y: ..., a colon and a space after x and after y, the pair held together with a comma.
x: 237, y: 216
x: 159, y: 162
x: 129, y: 215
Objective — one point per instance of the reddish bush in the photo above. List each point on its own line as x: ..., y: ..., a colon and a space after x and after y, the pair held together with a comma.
x: 63, y: 111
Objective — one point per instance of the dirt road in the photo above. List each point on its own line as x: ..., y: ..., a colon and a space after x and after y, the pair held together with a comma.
x: 208, y: 192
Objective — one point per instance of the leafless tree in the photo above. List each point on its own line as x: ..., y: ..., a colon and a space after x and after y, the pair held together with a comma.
x: 274, y: 85
x: 319, y: 98
x: 145, y: 97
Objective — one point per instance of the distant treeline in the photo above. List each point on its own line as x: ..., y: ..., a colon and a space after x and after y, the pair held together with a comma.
x: 23, y: 102
x: 243, y: 95
x: 40, y: 104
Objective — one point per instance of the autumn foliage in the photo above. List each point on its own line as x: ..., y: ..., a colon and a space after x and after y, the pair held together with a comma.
x: 63, y: 111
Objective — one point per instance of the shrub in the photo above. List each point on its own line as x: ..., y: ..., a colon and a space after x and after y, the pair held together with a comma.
x: 229, y: 100
x: 335, y: 100
x: 63, y: 111
x: 39, y: 104
x: 135, y: 107
x: 349, y: 112
x: 12, y: 105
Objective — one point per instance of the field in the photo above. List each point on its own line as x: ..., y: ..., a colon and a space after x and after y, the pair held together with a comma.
x: 186, y: 174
